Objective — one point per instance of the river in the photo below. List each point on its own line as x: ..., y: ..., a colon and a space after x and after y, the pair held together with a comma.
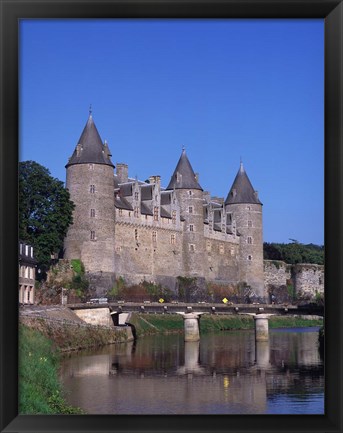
x: 224, y: 373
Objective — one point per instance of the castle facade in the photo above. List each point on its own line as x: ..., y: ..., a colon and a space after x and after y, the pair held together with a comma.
x: 123, y: 227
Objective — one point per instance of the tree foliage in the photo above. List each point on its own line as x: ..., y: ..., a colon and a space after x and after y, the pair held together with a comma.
x: 294, y: 252
x: 45, y: 211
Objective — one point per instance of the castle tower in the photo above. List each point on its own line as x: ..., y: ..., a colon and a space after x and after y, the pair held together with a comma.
x: 244, y: 207
x: 90, y: 181
x: 190, y: 196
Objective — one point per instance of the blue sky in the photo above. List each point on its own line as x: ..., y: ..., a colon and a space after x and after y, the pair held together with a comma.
x: 224, y: 89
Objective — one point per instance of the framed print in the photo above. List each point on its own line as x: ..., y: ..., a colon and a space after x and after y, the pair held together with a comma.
x: 163, y: 117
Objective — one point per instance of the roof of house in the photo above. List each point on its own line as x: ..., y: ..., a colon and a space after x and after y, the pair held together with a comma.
x: 90, y: 148
x: 122, y: 203
x: 242, y: 190
x: 183, y: 176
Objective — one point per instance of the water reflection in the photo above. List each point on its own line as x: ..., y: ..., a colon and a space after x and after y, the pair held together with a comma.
x: 223, y: 373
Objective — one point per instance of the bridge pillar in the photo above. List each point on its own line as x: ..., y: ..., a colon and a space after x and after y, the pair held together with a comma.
x: 191, y: 326
x: 261, y: 327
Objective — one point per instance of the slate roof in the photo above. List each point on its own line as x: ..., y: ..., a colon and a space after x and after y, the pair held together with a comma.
x: 126, y: 189
x: 146, y: 192
x: 145, y: 210
x: 183, y: 176
x: 164, y: 213
x: 122, y: 203
x: 90, y: 148
x: 165, y: 197
x: 242, y: 190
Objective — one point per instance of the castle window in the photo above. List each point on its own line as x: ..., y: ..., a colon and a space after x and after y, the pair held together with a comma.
x: 192, y: 248
x: 136, y: 235
x: 92, y: 213
x: 136, y: 195
x: 248, y: 207
x: 91, y: 166
x: 190, y: 192
x: 136, y: 213
x: 92, y: 189
x: 229, y: 219
x: 249, y: 258
x: 174, y: 216
x: 92, y: 235
x: 221, y: 249
x: 208, y: 246
x: 154, y: 237
x: 249, y: 223
x: 249, y: 240
x: 191, y: 227
x: 172, y: 239
x: 120, y: 212
x: 190, y: 209
x: 155, y: 213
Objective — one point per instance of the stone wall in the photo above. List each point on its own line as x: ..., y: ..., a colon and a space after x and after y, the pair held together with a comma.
x: 96, y: 316
x: 276, y: 273
x: 306, y: 280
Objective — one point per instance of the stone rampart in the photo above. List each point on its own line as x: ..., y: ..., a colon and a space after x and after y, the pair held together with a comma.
x: 308, y: 279
x: 305, y: 280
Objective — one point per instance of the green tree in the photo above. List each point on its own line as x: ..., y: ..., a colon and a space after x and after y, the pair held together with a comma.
x: 294, y: 252
x: 45, y: 211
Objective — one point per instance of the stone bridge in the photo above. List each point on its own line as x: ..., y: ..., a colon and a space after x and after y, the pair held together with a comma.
x: 118, y: 313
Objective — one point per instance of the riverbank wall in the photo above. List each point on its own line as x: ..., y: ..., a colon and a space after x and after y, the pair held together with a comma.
x: 69, y: 335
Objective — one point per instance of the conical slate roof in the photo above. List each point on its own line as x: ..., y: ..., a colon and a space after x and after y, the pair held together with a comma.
x: 183, y: 176
x: 90, y: 148
x: 242, y: 190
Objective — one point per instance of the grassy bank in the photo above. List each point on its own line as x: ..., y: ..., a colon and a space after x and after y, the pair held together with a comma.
x: 69, y: 336
x: 39, y: 389
x: 147, y: 324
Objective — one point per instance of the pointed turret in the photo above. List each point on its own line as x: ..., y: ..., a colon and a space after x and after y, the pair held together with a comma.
x: 90, y: 149
x: 184, y: 176
x: 242, y: 190
x: 244, y: 207
x: 90, y: 181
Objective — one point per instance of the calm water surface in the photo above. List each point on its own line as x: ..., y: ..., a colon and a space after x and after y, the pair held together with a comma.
x: 224, y: 373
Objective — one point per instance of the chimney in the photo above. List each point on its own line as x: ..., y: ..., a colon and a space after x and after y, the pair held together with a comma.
x: 155, y: 179
x: 122, y: 172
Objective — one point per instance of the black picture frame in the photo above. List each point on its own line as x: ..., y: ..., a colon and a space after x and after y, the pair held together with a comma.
x: 12, y: 11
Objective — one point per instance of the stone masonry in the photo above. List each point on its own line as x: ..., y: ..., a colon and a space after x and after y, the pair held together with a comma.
x: 124, y: 227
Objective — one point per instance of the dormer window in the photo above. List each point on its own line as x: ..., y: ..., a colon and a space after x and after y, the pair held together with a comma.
x: 136, y: 195
x: 155, y: 213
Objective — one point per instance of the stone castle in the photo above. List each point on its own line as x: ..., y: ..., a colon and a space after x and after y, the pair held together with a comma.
x: 123, y: 227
